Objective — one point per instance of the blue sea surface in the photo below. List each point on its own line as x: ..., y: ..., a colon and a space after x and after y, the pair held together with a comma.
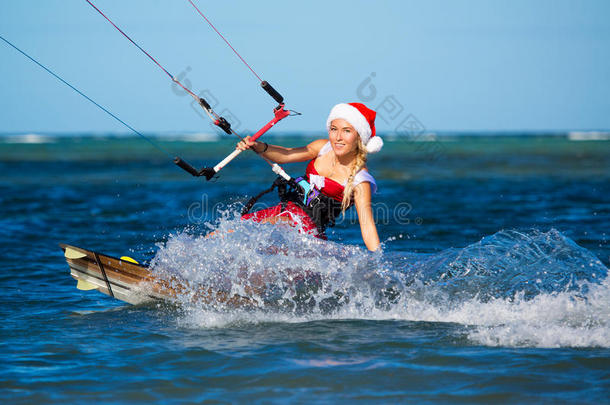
x: 491, y: 287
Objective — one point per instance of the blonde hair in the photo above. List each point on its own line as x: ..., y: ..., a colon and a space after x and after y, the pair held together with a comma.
x: 359, y: 163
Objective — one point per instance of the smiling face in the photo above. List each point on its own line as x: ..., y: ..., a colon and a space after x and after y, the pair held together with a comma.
x: 343, y: 137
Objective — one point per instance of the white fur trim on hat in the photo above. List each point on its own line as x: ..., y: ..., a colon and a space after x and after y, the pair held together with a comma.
x: 354, y: 117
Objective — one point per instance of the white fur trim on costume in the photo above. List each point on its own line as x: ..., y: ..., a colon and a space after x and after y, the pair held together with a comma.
x: 326, y: 148
x: 317, y: 181
x: 364, y: 175
x: 354, y: 117
x: 374, y: 145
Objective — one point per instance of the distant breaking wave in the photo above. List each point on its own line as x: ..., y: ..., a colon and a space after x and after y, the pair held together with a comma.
x: 589, y: 136
x: 28, y: 138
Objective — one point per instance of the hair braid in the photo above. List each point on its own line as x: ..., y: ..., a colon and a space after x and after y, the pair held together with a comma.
x: 359, y: 163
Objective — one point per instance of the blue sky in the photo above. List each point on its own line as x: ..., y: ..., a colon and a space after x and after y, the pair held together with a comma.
x: 454, y: 65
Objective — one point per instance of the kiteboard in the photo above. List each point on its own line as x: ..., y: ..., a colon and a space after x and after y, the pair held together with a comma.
x: 128, y: 281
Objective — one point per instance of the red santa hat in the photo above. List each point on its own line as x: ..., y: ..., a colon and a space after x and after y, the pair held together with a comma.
x: 362, y: 119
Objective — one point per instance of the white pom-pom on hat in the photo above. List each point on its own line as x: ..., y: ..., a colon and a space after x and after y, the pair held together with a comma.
x: 374, y: 144
x: 362, y: 119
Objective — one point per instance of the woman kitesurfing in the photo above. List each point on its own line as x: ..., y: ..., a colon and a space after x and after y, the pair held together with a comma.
x: 464, y: 266
x: 336, y: 178
x: 336, y: 170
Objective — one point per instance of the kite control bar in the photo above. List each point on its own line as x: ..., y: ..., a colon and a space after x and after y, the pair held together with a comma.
x: 209, y: 172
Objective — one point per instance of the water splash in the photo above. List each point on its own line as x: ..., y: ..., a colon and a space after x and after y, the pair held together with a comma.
x: 275, y: 267
x: 513, y: 288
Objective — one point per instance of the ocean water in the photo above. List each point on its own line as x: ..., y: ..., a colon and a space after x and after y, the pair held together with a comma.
x: 491, y: 287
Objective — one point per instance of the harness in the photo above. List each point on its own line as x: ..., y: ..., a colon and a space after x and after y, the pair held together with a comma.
x: 320, y: 208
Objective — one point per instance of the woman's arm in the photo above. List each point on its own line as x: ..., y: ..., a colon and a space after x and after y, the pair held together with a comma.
x: 362, y: 200
x: 280, y: 154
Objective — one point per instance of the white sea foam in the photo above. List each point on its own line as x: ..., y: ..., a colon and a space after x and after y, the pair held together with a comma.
x: 532, y: 289
x: 548, y: 320
x: 27, y: 138
x: 589, y: 136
